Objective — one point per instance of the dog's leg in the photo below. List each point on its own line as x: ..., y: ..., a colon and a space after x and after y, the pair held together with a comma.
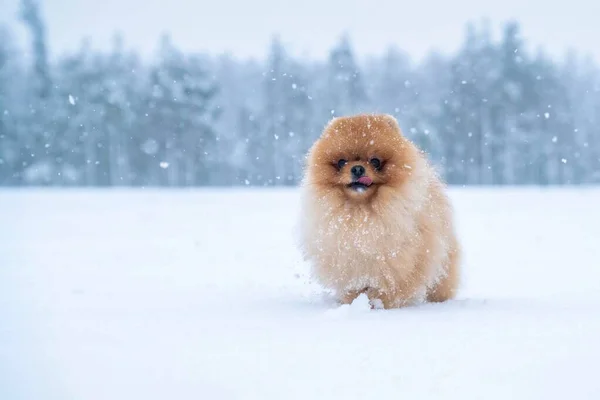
x: 348, y: 296
x: 447, y: 287
x: 378, y: 298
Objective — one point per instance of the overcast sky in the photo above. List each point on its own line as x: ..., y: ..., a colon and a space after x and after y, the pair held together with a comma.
x: 310, y: 27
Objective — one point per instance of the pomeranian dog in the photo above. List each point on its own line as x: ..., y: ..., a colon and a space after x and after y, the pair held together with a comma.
x: 375, y: 218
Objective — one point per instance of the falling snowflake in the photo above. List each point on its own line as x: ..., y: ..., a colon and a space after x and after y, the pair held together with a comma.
x: 564, y: 160
x: 554, y: 139
x: 546, y: 115
x: 71, y: 100
x: 164, y: 164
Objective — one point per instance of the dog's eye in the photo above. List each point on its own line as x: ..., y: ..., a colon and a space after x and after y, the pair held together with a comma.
x: 375, y: 162
x: 341, y: 163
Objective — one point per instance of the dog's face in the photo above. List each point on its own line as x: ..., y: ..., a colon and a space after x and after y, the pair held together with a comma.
x: 360, y: 156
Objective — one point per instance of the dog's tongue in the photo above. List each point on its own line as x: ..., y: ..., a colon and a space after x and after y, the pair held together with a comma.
x: 365, y: 180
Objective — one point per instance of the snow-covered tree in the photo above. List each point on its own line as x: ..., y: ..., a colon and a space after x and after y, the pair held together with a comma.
x: 466, y: 109
x: 37, y: 156
x: 346, y: 87
x: 286, y: 114
x: 179, y: 140
x: 9, y: 141
x: 492, y: 113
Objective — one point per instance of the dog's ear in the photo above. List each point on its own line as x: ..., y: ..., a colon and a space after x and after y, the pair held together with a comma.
x: 333, y: 121
x: 392, y: 122
x: 332, y: 126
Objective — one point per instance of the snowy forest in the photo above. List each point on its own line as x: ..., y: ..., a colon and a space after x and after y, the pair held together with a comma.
x: 492, y: 113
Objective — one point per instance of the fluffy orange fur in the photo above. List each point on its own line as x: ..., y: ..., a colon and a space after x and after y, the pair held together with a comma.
x: 394, y: 240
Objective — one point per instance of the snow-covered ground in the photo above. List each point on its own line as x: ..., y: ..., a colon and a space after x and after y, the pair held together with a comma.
x: 202, y: 295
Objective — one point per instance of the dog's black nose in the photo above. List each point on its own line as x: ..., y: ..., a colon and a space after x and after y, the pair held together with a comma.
x: 358, y: 171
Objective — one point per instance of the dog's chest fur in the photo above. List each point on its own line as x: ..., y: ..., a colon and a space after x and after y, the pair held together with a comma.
x: 359, y: 248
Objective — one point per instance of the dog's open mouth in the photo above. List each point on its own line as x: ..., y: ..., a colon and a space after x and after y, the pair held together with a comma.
x: 361, y: 184
x: 359, y: 187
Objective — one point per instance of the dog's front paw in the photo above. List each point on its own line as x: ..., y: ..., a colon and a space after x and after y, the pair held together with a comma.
x: 376, y: 304
x: 348, y: 296
x: 379, y: 299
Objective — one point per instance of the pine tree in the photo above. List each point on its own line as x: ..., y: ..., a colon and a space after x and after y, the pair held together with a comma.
x: 8, y: 140
x: 90, y: 117
x: 515, y: 90
x: 179, y: 140
x: 200, y: 114
x: 579, y: 119
x: 590, y: 121
x: 31, y: 15
x: 552, y: 124
x: 246, y: 157
x: 398, y: 91
x: 393, y: 92
x: 38, y: 155
x: 346, y: 87
x: 118, y: 102
x: 275, y: 120
x: 238, y: 98
x: 465, y: 111
x: 433, y: 80
x: 286, y: 117
x: 299, y: 113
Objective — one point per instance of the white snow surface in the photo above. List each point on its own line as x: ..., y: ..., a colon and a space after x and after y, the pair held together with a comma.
x: 149, y: 294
